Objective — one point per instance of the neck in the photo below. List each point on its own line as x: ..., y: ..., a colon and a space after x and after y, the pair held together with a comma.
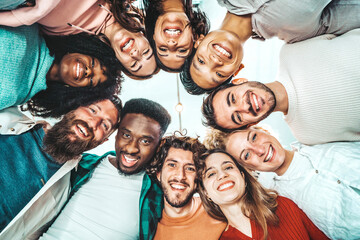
x: 289, y: 155
x: 173, y: 6
x: 236, y: 217
x: 280, y: 96
x: 239, y: 25
x: 53, y: 73
x: 178, y: 212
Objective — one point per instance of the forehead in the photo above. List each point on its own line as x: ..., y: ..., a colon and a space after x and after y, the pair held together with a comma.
x: 141, y: 125
x: 217, y: 159
x: 236, y: 140
x: 180, y: 155
x: 222, y: 110
x: 105, y: 107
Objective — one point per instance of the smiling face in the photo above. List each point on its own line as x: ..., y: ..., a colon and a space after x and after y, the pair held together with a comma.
x: 177, y: 177
x: 218, y: 57
x: 222, y: 180
x: 173, y: 39
x: 134, y: 52
x: 79, y: 70
x: 136, y: 142
x: 243, y: 104
x: 256, y: 150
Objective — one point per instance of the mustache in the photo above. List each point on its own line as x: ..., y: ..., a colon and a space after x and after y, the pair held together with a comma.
x: 177, y: 181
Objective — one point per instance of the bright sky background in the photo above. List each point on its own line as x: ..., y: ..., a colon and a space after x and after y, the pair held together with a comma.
x: 261, y: 63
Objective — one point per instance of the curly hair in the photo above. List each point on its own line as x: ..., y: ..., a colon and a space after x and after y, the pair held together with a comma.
x: 174, y: 141
x: 149, y: 109
x: 189, y: 84
x: 258, y: 203
x: 199, y: 24
x: 215, y: 138
x: 59, y: 99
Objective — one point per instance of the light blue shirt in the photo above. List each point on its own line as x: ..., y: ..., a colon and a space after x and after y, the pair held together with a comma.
x: 324, y: 181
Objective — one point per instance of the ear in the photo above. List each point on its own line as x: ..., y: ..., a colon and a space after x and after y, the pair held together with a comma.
x: 158, y: 176
x: 238, y: 81
x: 199, y: 40
x: 251, y: 124
x: 241, y: 67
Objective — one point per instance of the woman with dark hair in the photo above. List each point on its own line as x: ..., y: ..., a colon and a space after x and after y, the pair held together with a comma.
x: 27, y: 68
x: 230, y: 193
x: 116, y: 22
x: 172, y: 27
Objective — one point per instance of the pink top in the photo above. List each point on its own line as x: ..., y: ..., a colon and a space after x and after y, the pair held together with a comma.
x: 83, y: 14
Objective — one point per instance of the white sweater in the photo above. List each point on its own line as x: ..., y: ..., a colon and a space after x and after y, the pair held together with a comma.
x: 322, y: 79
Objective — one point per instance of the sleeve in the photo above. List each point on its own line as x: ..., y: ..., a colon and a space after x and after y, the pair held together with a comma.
x: 27, y: 15
x: 314, y: 232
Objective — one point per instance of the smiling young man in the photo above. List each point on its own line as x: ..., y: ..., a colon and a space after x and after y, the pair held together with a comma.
x: 316, y: 88
x: 32, y: 155
x: 111, y: 194
x: 183, y: 216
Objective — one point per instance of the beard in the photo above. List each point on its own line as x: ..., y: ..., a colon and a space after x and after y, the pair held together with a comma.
x: 177, y: 203
x: 57, y: 142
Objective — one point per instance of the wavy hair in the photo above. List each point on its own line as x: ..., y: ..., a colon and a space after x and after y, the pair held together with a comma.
x: 258, y: 203
x: 59, y: 99
x: 199, y: 23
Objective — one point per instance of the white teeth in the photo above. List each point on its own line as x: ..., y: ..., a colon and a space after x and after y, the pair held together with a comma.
x: 270, y: 154
x: 223, y: 51
x: 176, y: 186
x: 77, y: 70
x: 226, y: 185
x: 255, y: 101
x: 83, y: 130
x: 129, y: 160
x: 172, y: 31
x: 128, y: 45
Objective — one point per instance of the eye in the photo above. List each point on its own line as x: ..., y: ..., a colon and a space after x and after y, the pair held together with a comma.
x: 246, y: 156
x: 210, y: 174
x: 219, y: 74
x: 92, y: 110
x: 162, y: 49
x: 229, y: 168
x: 146, y: 51
x: 171, y: 165
x: 105, y: 126
x: 126, y: 135
x: 190, y: 169
x: 182, y: 50
x: 133, y: 64
x: 254, y: 137
x: 238, y: 116
x: 201, y: 61
x: 145, y: 141
x: 233, y: 98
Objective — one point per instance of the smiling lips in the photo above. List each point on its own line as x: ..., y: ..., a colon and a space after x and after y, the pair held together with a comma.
x: 270, y: 154
x: 128, y: 161
x: 79, y: 70
x: 223, y: 51
x: 81, y: 130
x: 177, y: 186
x: 226, y: 186
x: 127, y: 45
x: 172, y: 32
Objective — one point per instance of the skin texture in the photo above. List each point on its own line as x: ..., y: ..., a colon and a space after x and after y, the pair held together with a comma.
x: 132, y: 49
x: 177, y: 178
x: 218, y: 57
x: 235, y: 106
x: 223, y: 181
x: 136, y: 142
x: 78, y: 70
x: 173, y: 39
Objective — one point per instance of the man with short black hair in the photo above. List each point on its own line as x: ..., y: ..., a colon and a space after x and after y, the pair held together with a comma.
x: 183, y: 216
x: 27, y: 167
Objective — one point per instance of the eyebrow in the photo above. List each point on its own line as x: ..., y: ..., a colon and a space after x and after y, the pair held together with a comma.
x: 248, y: 136
x: 208, y: 170
x: 152, y: 53
x: 196, y: 66
x: 108, y: 119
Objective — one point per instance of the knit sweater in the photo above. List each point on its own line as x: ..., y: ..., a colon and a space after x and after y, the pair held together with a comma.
x: 293, y: 225
x: 322, y: 80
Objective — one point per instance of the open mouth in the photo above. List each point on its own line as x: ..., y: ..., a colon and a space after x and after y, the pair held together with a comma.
x: 127, y: 45
x: 223, y: 51
x: 255, y: 103
x: 270, y: 154
x: 177, y: 186
x: 79, y: 70
x: 226, y: 186
x: 81, y: 130
x: 172, y: 32
x: 128, y: 161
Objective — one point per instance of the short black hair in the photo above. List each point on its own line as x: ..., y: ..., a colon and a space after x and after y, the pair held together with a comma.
x: 189, y: 84
x: 149, y: 109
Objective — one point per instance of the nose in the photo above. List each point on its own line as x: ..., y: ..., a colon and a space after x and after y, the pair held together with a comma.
x: 171, y: 42
x: 88, y: 71
x: 132, y: 147
x: 94, y: 122
x: 221, y: 175
x: 180, y: 173
x: 258, y: 149
x: 216, y: 60
x: 135, y: 54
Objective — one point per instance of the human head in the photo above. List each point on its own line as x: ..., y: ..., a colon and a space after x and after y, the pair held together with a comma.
x: 174, y: 167
x: 217, y: 59
x: 143, y: 123
x: 237, y: 106
x: 226, y: 182
x: 172, y: 33
x: 82, y: 129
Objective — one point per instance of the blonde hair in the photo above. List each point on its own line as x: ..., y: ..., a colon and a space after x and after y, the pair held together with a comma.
x: 259, y: 203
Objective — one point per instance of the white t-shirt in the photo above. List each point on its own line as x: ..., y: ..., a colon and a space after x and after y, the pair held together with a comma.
x: 106, y: 207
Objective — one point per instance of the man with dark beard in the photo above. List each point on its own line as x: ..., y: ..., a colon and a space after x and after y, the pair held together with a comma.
x: 28, y: 166
x: 112, y: 194
x: 183, y: 216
